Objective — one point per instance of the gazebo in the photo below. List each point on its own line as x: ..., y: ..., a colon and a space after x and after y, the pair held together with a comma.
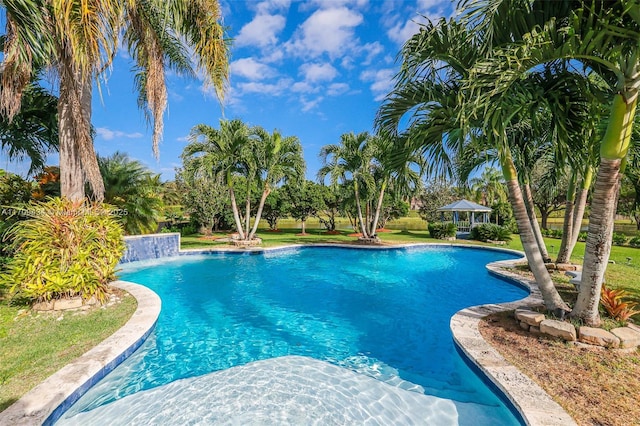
x: 469, y: 207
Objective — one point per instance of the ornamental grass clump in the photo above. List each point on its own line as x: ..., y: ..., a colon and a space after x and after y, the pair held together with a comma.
x: 613, y: 301
x: 64, y: 249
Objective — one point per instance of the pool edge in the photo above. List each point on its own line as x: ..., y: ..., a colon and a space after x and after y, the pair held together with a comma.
x: 534, y: 405
x: 45, y: 403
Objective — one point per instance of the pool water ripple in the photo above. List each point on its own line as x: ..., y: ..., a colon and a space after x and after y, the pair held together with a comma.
x: 375, y: 314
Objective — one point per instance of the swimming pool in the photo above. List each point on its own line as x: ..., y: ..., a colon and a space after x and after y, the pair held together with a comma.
x: 380, y: 314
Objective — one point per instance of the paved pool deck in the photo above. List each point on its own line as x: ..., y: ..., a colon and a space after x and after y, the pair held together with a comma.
x: 49, y: 400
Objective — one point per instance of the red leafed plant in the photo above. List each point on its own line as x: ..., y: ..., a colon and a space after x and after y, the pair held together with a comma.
x: 612, y: 300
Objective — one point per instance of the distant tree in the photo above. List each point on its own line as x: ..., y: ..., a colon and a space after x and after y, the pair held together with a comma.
x: 332, y: 201
x: 392, y: 208
x: 276, y: 207
x: 205, y: 199
x: 489, y: 188
x: 305, y: 200
x: 435, y: 194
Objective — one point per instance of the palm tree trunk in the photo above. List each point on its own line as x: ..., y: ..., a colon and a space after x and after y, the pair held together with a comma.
x: 567, y: 224
x: 552, y: 300
x: 363, y: 227
x: 247, y: 213
x: 236, y: 212
x: 613, y: 150
x: 265, y: 194
x: 78, y: 162
x: 531, y: 212
x: 376, y: 217
x: 581, y: 203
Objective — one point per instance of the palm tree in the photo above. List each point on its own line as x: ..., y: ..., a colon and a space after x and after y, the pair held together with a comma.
x: 280, y: 159
x: 604, y: 37
x: 488, y: 188
x: 428, y: 95
x: 134, y: 189
x: 33, y: 132
x: 349, y: 163
x: 226, y: 152
x: 78, y: 40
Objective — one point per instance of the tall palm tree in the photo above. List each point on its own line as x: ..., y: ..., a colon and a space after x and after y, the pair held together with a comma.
x: 349, y: 163
x: 429, y: 95
x: 488, y: 188
x: 604, y: 36
x: 226, y: 152
x: 78, y: 40
x: 280, y: 159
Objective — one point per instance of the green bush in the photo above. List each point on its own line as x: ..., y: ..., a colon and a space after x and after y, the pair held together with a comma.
x: 490, y: 231
x: 619, y: 239
x: 556, y: 233
x: 64, y: 249
x: 441, y: 230
x: 582, y: 236
x: 635, y: 241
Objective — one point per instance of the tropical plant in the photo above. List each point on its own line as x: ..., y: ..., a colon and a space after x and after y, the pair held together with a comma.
x: 488, y: 188
x: 276, y: 207
x: 619, y: 238
x: 66, y: 248
x: 436, y: 193
x: 77, y: 41
x: 33, y: 132
x: 205, y: 199
x: 305, y: 200
x: 442, y: 230
x: 134, y: 189
x: 635, y: 241
x: 613, y: 302
x: 490, y: 232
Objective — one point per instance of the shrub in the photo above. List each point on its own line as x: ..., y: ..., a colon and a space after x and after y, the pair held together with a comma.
x: 619, y: 239
x: 613, y: 303
x: 64, y: 249
x: 556, y: 233
x: 582, y: 236
x: 442, y: 230
x: 635, y: 241
x: 490, y: 231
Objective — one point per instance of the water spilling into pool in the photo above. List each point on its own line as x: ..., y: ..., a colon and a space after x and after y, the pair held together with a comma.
x: 350, y: 334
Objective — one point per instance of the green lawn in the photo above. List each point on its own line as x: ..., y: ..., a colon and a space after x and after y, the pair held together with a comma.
x: 34, y: 346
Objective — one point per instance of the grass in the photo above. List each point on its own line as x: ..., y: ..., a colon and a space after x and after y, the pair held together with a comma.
x: 34, y: 346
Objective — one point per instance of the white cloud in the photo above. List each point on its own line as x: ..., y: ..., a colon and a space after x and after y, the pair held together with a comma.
x: 336, y: 89
x: 261, y: 32
x: 401, y: 32
x: 381, y: 81
x: 275, y: 89
x: 308, y: 105
x: 425, y: 5
x: 108, y: 134
x: 270, y: 6
x: 318, y: 72
x: 324, y: 4
x: 372, y: 50
x: 328, y: 31
x: 303, y: 87
x: 251, y: 69
x: 183, y: 139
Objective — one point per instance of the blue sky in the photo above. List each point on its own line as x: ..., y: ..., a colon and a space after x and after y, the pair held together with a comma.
x: 314, y: 69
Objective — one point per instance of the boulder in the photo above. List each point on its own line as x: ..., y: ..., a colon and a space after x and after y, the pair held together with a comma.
x: 529, y: 317
x: 561, y: 329
x: 598, y: 337
x: 629, y: 338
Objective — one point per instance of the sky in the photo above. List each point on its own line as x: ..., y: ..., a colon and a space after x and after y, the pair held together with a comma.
x: 314, y: 69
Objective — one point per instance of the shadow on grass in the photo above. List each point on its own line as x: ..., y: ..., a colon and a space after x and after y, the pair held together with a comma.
x: 6, y: 403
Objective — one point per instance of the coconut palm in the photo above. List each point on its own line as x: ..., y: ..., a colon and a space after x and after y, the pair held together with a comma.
x: 77, y: 42
x: 604, y: 37
x: 279, y: 159
x: 349, y: 163
x: 226, y: 152
x: 488, y: 188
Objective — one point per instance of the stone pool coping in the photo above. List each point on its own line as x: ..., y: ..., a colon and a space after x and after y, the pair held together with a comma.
x: 45, y: 403
x: 50, y: 399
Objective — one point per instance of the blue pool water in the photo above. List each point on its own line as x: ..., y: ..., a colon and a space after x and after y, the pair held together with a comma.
x: 380, y: 313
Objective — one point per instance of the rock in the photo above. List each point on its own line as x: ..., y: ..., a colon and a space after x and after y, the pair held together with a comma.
x: 43, y: 306
x: 561, y: 329
x: 534, y: 330
x: 567, y: 267
x: 529, y: 317
x: 64, y: 304
x: 629, y: 338
x: 598, y: 337
x: 524, y: 326
x: 550, y: 266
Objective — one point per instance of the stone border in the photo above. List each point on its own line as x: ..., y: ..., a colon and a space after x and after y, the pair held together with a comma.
x: 45, y: 403
x: 532, y: 402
